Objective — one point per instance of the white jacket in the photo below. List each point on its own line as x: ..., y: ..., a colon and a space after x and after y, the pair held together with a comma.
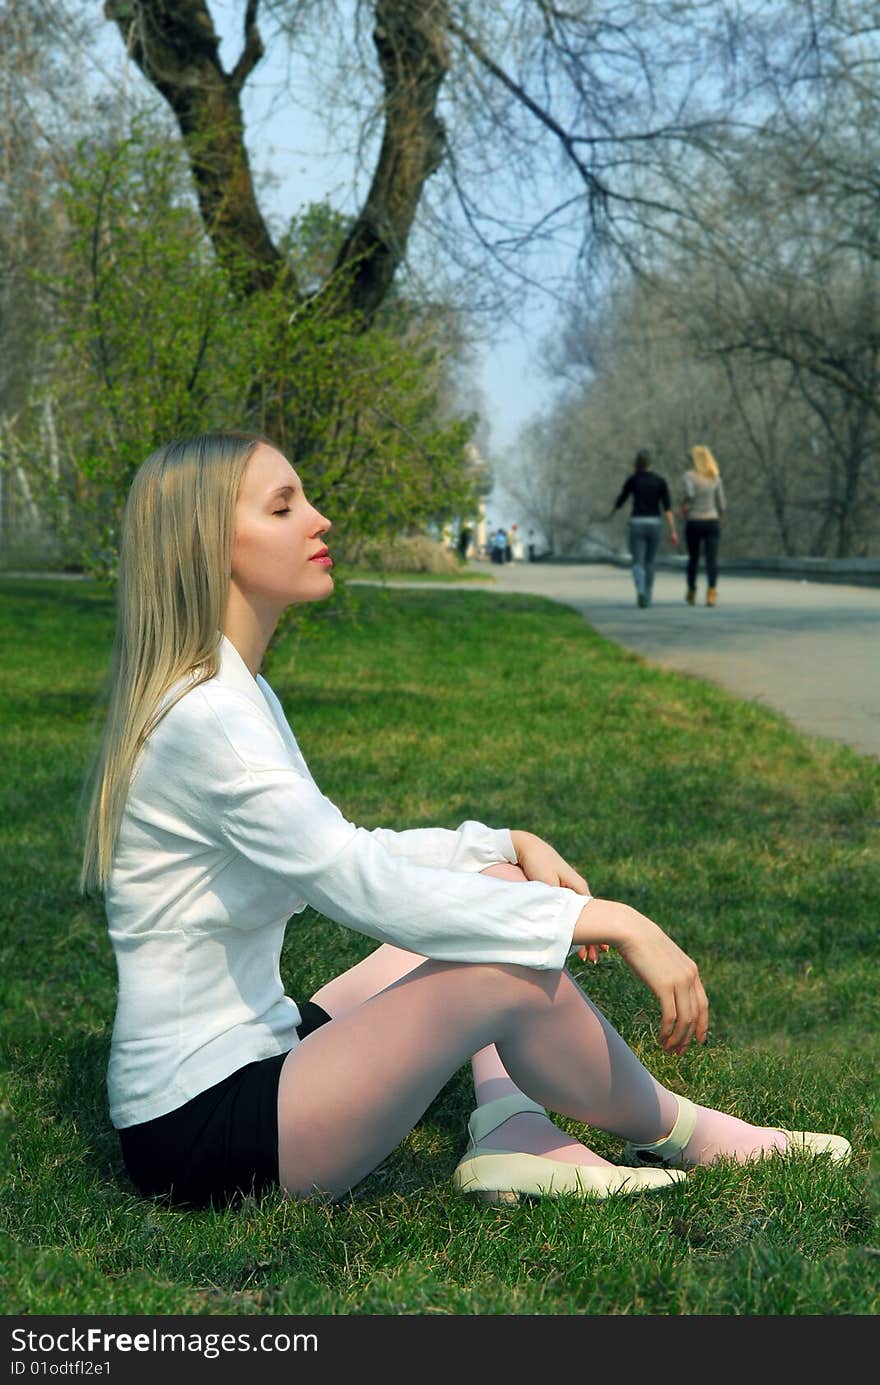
x: 225, y: 835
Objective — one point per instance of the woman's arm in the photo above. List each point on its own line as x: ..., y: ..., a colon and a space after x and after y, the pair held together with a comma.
x: 472, y: 846
x: 625, y: 490
x: 654, y: 957
x: 658, y: 961
x: 687, y: 495
x: 304, y: 850
x: 666, y: 507
x: 538, y: 860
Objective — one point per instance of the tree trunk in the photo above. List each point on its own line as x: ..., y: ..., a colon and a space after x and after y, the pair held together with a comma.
x: 410, y: 39
x: 175, y: 45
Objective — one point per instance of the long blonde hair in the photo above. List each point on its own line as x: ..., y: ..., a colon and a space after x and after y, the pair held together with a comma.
x: 705, y: 464
x: 174, y: 567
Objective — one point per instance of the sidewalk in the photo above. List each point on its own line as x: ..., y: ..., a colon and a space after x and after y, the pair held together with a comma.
x: 808, y: 649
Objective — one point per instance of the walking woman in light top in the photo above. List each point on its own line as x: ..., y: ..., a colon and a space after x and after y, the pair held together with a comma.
x: 207, y: 832
x: 702, y: 506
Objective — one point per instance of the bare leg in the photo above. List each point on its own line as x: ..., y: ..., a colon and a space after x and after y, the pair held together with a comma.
x: 526, y: 1132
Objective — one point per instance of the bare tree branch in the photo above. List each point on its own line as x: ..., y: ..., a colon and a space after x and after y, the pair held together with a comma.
x: 597, y: 192
x: 253, y: 49
x: 410, y: 40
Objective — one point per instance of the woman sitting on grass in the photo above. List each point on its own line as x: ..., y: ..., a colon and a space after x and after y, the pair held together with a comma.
x: 207, y: 832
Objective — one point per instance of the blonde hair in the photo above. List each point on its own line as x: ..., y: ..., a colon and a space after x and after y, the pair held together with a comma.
x: 174, y: 566
x: 705, y: 464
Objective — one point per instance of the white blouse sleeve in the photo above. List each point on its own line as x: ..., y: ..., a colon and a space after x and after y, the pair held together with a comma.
x: 280, y: 822
x: 472, y: 846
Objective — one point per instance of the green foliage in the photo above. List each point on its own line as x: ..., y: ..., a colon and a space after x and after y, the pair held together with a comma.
x: 148, y: 337
x: 357, y: 415
x: 311, y: 244
x: 153, y: 342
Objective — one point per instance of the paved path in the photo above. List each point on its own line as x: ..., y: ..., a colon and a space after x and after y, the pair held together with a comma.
x: 808, y: 649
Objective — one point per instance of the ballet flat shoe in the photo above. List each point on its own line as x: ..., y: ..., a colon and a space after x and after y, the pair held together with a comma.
x: 667, y: 1153
x: 503, y: 1175
x: 812, y: 1142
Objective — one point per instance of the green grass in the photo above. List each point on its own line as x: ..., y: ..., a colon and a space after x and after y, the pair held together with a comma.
x: 466, y: 574
x: 757, y: 848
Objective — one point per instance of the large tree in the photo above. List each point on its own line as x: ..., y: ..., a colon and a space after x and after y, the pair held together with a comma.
x: 541, y: 119
x: 128, y: 329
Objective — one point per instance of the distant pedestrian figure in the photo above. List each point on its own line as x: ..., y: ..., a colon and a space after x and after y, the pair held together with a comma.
x: 531, y: 546
x: 703, y: 504
x: 517, y: 551
x: 464, y: 542
x: 650, y: 506
x: 499, y: 546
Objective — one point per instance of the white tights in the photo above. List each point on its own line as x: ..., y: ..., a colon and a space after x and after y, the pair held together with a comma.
x: 402, y: 1026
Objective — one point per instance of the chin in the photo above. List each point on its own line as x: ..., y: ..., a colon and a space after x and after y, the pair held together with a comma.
x: 326, y: 589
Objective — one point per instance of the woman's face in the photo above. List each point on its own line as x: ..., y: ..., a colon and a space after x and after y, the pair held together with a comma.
x: 278, y: 553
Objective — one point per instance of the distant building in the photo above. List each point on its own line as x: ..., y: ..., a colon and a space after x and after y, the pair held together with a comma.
x: 478, y: 468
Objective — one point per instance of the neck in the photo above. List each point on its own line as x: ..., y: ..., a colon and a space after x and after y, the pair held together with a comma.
x: 248, y: 629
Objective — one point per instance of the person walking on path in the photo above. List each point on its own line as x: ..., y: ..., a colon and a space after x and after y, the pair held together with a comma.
x: 651, y: 505
x: 499, y: 547
x: 702, y: 506
x: 208, y: 834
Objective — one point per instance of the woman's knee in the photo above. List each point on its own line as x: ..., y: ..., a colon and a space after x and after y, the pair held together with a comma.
x: 504, y: 988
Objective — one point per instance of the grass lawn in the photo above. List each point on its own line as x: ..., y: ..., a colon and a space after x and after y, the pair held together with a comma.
x: 373, y: 575
x: 753, y: 845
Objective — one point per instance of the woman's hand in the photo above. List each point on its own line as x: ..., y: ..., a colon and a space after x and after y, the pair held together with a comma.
x: 538, y: 860
x: 659, y: 962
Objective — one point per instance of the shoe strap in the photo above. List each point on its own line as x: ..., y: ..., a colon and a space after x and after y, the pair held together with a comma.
x: 487, y: 1118
x: 680, y: 1134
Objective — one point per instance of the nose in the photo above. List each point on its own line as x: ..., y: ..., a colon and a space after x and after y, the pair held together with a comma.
x: 322, y: 524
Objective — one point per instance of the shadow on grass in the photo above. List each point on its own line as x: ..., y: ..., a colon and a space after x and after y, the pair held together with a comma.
x: 81, y: 1097
x: 74, y: 597
x: 67, y: 705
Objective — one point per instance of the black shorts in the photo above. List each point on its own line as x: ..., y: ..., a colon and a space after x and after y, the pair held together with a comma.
x: 222, y: 1143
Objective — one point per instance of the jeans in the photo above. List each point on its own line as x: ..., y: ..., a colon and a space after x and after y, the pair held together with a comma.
x: 644, y: 540
x: 708, y: 533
